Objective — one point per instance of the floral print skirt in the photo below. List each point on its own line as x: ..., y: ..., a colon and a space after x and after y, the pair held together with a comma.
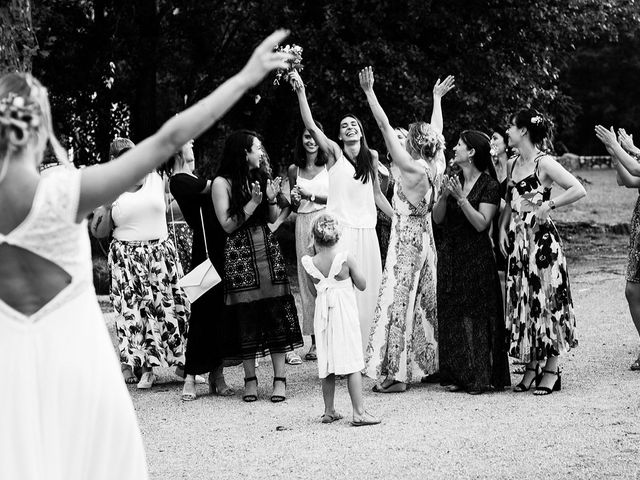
x: 260, y: 312
x: 403, y: 341
x: 539, y: 314
x: 633, y: 266
x: 152, y: 310
x: 182, y: 237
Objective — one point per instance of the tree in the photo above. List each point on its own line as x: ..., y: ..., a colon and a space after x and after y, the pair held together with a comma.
x: 17, y: 39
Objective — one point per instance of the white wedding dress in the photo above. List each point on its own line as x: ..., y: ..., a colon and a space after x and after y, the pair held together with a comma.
x: 65, y: 412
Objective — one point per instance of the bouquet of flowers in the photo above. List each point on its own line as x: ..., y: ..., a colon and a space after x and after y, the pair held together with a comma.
x: 294, y: 64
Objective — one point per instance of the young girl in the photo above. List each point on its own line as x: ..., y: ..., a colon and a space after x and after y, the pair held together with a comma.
x: 333, y: 274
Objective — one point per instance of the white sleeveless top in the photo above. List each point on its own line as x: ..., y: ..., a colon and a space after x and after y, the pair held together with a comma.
x: 350, y: 201
x: 318, y: 186
x: 140, y: 216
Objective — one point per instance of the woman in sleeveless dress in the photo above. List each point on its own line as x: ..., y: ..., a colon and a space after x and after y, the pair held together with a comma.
x: 354, y: 193
x: 260, y: 310
x: 309, y: 183
x: 628, y: 175
x: 471, y: 335
x: 539, y: 314
x: 403, y: 346
x: 56, y: 425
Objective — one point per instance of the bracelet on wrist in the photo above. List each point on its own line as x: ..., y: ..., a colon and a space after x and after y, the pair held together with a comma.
x: 247, y: 212
x: 275, y: 202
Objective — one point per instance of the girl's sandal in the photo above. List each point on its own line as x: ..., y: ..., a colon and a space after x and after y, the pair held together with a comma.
x: 331, y: 417
x: 366, y: 420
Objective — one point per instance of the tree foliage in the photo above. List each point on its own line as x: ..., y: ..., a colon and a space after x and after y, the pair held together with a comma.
x: 124, y: 67
x: 17, y: 40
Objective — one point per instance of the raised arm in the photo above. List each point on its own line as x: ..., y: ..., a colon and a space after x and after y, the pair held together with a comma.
x: 439, y: 91
x: 608, y: 138
x: 623, y: 177
x: 401, y: 158
x: 103, y: 183
x: 330, y: 148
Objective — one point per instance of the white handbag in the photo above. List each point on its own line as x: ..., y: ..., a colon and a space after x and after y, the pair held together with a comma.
x: 202, y: 278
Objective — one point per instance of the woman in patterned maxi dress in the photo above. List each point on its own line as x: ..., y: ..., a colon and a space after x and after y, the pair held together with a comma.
x: 403, y: 345
x: 539, y: 313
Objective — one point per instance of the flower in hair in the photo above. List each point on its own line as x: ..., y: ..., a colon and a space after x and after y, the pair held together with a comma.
x: 294, y: 64
x: 537, y: 120
x: 16, y: 112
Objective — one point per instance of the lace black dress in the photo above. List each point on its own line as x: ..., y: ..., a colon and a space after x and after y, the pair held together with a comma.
x: 471, y: 332
x: 259, y: 304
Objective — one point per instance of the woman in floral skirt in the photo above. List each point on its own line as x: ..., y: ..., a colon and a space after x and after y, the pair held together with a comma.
x: 539, y: 310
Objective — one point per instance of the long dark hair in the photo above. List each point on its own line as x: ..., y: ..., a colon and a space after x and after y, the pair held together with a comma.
x: 479, y: 141
x: 539, y: 126
x: 300, y: 154
x: 234, y: 167
x: 364, y: 160
x: 502, y: 131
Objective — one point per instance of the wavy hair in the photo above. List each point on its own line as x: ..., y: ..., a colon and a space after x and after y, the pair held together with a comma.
x: 364, y: 160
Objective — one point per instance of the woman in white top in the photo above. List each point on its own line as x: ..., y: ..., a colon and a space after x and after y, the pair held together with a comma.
x: 152, y: 310
x: 55, y: 425
x: 354, y: 192
x: 309, y: 181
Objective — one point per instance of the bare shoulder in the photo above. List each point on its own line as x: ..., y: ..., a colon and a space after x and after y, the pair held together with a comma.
x: 292, y: 171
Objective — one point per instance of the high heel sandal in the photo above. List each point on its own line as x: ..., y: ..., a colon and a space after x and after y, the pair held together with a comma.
x: 279, y: 398
x: 250, y: 397
x: 189, y: 391
x: 213, y: 389
x: 557, y: 385
x: 522, y: 387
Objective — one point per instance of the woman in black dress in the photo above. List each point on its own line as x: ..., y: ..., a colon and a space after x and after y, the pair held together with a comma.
x: 258, y: 300
x: 203, y: 353
x: 471, y: 336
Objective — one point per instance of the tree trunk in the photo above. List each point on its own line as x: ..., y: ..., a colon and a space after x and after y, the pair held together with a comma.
x: 144, y: 117
x: 17, y: 39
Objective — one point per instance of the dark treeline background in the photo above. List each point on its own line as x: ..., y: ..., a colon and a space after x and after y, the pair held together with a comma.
x: 117, y: 67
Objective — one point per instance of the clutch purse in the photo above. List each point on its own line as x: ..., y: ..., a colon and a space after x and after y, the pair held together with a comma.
x: 203, y: 277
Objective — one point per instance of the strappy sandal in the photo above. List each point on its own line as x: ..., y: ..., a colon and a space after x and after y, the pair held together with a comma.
x: 557, y: 385
x: 366, y: 420
x: 330, y: 417
x: 213, y: 388
x: 147, y: 380
x: 189, y: 391
x: 395, y: 387
x: 522, y: 387
x: 128, y: 375
x: 279, y: 398
x: 292, y: 358
x: 250, y: 397
x: 311, y: 354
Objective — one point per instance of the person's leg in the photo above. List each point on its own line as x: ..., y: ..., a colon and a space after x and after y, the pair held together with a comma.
x: 360, y: 415
x: 632, y: 292
x: 312, y: 354
x: 217, y: 383
x: 250, y: 381
x: 551, y: 377
x: 328, y: 394
x: 532, y: 370
x: 189, y: 388
x: 279, y: 386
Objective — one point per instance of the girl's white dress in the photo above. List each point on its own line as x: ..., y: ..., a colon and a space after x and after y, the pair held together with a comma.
x: 335, y: 321
x: 353, y: 204
x: 65, y: 412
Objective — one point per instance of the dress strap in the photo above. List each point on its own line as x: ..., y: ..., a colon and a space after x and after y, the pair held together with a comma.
x: 338, y: 261
x: 537, y: 161
x: 309, y: 266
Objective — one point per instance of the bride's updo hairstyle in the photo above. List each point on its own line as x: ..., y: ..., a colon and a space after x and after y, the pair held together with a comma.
x: 25, y: 116
x: 539, y: 126
x: 326, y: 230
x: 424, y: 140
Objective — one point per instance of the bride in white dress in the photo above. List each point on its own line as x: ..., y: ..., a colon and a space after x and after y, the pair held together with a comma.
x: 56, y: 424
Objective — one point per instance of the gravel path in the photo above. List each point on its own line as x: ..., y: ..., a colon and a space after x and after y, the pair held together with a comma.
x: 589, y: 430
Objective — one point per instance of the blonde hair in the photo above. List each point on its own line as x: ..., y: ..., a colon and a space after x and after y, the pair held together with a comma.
x: 118, y: 144
x: 326, y: 230
x: 424, y: 140
x: 25, y: 113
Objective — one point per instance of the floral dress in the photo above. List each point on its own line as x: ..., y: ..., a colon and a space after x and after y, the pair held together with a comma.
x: 539, y: 314
x: 403, y: 341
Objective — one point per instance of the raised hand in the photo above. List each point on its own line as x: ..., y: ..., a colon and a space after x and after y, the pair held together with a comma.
x: 366, y: 79
x: 273, y: 188
x: 626, y: 141
x: 455, y: 188
x: 607, y: 137
x: 440, y: 89
x: 264, y: 58
x: 256, y: 193
x: 295, y: 80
